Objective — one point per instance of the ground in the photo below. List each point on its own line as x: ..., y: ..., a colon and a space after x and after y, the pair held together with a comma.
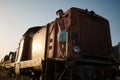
x: 7, y: 75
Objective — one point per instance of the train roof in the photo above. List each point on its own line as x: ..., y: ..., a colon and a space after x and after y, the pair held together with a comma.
x: 32, y: 30
x: 85, y: 11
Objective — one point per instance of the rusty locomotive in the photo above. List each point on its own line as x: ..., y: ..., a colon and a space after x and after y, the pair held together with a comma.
x: 88, y: 49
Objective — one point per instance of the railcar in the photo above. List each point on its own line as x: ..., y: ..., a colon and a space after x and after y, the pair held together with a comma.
x: 88, y: 49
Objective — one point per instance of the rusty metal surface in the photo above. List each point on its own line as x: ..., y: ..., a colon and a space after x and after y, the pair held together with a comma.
x: 93, y: 31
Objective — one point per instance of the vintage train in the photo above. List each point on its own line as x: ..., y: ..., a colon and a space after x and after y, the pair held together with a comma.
x: 88, y: 49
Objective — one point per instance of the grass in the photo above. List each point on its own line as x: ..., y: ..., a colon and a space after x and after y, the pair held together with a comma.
x: 8, y: 75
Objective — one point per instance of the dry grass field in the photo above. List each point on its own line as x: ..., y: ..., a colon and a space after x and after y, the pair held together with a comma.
x: 8, y: 75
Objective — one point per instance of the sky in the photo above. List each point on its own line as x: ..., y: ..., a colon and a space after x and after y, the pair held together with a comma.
x: 16, y: 16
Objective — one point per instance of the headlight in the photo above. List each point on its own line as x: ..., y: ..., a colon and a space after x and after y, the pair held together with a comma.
x: 76, y: 49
